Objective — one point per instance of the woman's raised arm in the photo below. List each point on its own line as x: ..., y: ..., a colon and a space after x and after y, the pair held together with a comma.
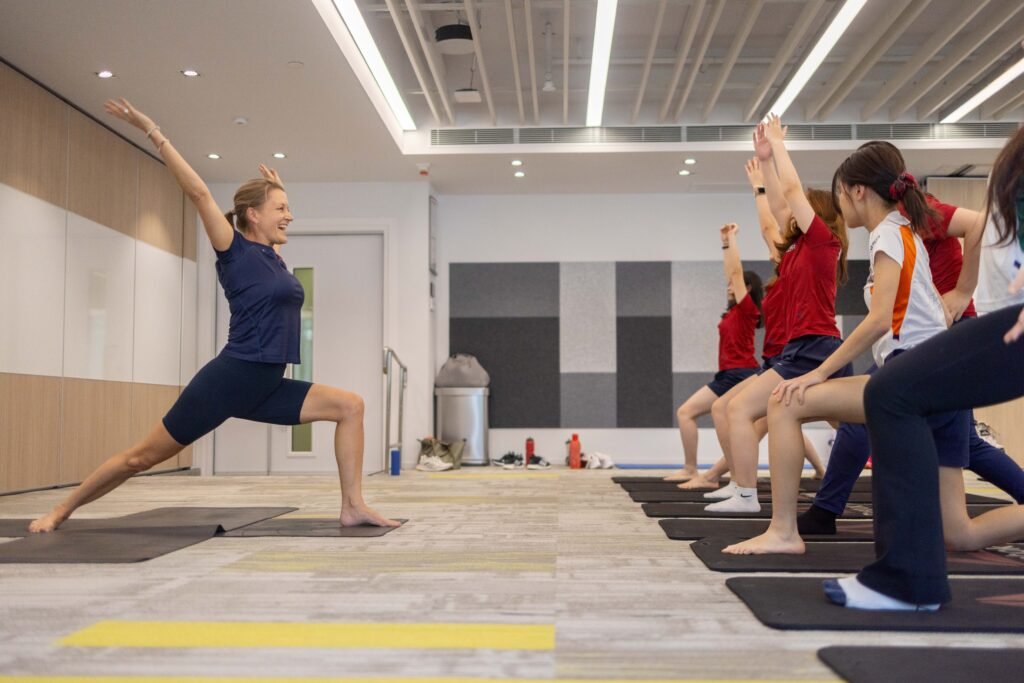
x: 217, y: 227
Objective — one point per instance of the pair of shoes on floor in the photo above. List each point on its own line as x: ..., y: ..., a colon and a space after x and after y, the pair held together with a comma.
x: 432, y: 463
x: 604, y: 461
x: 537, y: 463
x: 509, y: 461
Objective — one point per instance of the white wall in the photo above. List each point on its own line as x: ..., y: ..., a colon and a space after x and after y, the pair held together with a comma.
x: 403, y: 208
x: 627, y: 227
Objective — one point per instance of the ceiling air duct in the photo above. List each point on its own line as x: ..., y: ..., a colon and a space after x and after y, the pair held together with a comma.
x: 454, y: 39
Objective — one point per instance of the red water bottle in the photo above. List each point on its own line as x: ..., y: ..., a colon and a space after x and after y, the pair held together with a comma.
x: 574, y: 452
x: 529, y: 451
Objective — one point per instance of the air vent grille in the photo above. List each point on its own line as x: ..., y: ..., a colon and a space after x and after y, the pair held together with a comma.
x: 472, y: 136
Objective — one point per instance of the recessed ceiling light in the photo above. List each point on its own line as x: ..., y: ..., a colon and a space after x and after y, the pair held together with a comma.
x: 213, y: 155
x: 520, y: 174
x: 105, y: 74
x: 189, y: 73
x: 690, y: 162
x: 684, y: 172
x: 517, y: 162
x: 279, y: 155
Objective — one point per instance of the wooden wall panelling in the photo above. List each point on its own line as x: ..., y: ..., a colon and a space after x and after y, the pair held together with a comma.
x: 96, y: 425
x: 33, y: 139
x: 103, y: 179
x: 150, y: 403
x: 29, y: 431
x: 189, y: 227
x: 966, y: 192
x: 160, y: 206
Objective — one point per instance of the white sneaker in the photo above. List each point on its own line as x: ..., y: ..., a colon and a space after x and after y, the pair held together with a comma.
x: 593, y: 461
x: 606, y: 460
x: 432, y: 463
x: 987, y: 434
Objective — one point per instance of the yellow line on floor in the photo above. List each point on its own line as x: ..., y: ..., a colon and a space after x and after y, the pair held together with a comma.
x: 206, y: 634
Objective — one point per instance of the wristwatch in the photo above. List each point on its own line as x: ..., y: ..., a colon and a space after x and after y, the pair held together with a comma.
x: 759, y: 190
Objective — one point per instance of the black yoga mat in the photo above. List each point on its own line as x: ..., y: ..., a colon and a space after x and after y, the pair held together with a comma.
x: 807, y: 484
x: 848, y: 558
x: 924, y: 664
x: 853, y: 511
x: 227, y: 518
x: 798, y: 603
x: 674, y: 495
x: 97, y: 546
x: 132, y: 538
x: 696, y: 529
x: 320, y: 527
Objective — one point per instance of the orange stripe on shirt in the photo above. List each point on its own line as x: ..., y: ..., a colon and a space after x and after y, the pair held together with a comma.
x: 899, y: 309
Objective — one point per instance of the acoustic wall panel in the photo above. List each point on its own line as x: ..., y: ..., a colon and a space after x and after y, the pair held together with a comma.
x: 589, y: 400
x: 32, y: 232
x: 100, y: 302
x: 587, y: 320
x: 698, y: 301
x: 684, y: 385
x: 521, y: 355
x: 850, y: 296
x: 643, y: 289
x: 644, y: 386
x: 157, y: 341
x: 504, y: 290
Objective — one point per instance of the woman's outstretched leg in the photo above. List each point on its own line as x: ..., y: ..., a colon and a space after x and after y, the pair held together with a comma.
x: 346, y: 410
x: 157, y: 447
x: 694, y: 407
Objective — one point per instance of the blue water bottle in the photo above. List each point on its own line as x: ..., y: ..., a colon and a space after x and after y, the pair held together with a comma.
x: 396, y: 462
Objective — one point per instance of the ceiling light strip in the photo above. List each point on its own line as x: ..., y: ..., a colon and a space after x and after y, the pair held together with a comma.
x: 357, y: 28
x: 603, y: 29
x: 997, y: 84
x: 817, y: 55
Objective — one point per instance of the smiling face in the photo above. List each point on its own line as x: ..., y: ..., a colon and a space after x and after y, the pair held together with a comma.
x: 268, y: 223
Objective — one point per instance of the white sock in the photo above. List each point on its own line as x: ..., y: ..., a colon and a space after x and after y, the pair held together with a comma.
x: 744, y: 500
x: 850, y: 592
x: 726, y: 491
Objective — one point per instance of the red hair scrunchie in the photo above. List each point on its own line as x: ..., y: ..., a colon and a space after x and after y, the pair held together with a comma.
x: 904, y: 181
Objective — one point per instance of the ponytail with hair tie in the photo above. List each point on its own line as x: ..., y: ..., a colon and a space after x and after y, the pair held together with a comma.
x: 904, y: 181
x: 230, y: 216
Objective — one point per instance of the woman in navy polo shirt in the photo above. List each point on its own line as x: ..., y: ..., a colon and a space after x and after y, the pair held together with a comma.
x: 247, y: 379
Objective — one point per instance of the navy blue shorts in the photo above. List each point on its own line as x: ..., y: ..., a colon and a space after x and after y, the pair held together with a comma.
x: 228, y: 387
x: 951, y: 432
x: 803, y: 354
x: 726, y: 379
x: 769, y: 363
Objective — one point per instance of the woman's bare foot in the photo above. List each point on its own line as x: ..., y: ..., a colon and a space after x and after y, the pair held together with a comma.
x: 357, y: 515
x: 684, y: 474
x: 768, y: 543
x: 49, y: 522
x: 699, y: 483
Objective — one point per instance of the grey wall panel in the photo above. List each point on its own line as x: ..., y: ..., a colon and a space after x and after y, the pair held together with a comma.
x: 587, y: 319
x: 698, y: 301
x: 850, y: 297
x: 847, y: 324
x: 521, y: 355
x: 504, y: 290
x: 589, y: 400
x: 644, y: 386
x: 643, y: 289
x: 684, y: 385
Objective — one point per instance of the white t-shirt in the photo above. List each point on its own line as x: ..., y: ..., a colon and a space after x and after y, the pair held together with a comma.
x: 917, y: 313
x: 999, y: 266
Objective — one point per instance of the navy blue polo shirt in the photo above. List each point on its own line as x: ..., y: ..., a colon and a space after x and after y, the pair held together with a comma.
x: 265, y: 300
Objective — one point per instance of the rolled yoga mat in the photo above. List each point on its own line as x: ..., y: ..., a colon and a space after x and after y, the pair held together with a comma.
x: 695, y: 529
x: 924, y: 664
x: 849, y: 558
x: 798, y: 603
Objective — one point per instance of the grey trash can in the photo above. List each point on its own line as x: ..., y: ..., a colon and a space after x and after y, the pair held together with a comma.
x: 462, y: 414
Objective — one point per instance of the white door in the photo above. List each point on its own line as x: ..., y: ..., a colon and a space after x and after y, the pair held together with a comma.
x: 342, y: 341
